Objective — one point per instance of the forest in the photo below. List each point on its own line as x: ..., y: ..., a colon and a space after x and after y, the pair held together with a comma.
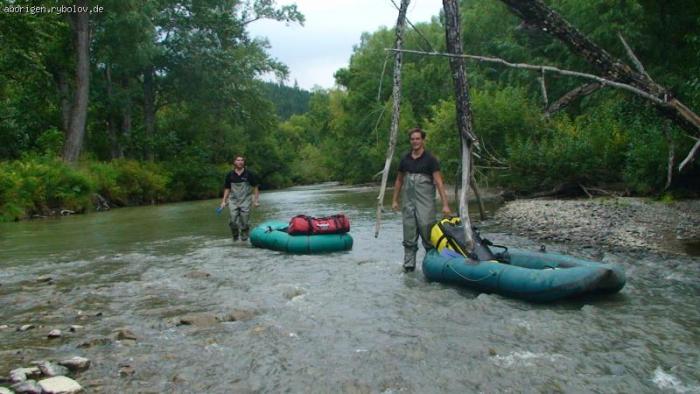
x: 147, y: 102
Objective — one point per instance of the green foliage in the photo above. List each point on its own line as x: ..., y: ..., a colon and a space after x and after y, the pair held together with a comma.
x: 287, y: 100
x: 128, y: 182
x: 37, y: 185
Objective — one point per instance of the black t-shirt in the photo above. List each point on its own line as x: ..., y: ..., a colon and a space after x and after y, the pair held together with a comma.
x: 246, y: 176
x: 425, y: 164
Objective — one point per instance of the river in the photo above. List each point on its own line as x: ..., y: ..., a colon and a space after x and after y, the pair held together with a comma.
x: 345, y: 322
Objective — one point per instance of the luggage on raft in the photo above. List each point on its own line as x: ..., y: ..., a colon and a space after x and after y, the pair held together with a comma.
x: 532, y: 276
x: 273, y: 235
x: 309, y: 225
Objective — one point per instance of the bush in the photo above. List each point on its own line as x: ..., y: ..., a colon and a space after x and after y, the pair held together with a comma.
x: 38, y: 185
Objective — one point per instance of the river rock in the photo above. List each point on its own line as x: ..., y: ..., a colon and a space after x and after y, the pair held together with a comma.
x: 55, y: 333
x: 75, y: 327
x: 49, y: 369
x: 237, y: 315
x: 44, y: 279
x: 126, y: 370
x: 4, y: 326
x: 197, y: 275
x: 125, y: 333
x: 27, y: 387
x: 292, y: 293
x: 26, y: 327
x: 60, y: 385
x: 200, y: 319
x: 76, y: 363
x: 95, y: 342
x: 4, y: 390
x: 22, y: 374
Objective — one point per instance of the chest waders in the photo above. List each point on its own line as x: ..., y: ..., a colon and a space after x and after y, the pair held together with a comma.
x: 239, y: 202
x: 418, y: 214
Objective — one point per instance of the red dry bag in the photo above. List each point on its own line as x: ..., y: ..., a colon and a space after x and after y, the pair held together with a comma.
x: 308, y: 225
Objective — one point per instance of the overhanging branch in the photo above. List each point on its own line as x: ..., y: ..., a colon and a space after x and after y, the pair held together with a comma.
x: 541, y: 68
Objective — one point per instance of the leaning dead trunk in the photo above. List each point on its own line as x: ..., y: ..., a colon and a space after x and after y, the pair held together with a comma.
x: 396, y: 110
x: 536, y: 13
x: 464, y: 113
x: 78, y: 112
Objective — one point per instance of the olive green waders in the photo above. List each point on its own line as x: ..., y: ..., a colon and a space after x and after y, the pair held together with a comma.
x: 239, y: 202
x: 418, y: 212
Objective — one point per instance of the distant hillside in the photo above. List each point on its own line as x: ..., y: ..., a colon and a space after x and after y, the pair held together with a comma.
x: 287, y: 100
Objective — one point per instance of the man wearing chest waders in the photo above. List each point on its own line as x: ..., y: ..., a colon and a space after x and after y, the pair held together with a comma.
x: 419, y: 174
x: 240, y: 193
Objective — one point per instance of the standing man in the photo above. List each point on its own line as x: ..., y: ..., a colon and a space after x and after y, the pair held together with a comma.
x: 240, y: 192
x: 419, y: 174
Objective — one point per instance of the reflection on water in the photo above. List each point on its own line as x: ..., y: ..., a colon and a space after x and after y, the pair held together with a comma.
x: 344, y: 322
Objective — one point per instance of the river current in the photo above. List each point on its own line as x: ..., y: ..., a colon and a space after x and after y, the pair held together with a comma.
x: 344, y: 322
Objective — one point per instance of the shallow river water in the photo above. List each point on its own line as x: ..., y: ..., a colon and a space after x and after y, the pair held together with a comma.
x: 345, y: 322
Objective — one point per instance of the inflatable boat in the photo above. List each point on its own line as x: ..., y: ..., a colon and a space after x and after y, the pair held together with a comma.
x: 272, y: 235
x: 532, y: 276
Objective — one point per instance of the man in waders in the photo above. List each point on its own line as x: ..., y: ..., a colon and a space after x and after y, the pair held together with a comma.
x: 240, y: 193
x: 419, y: 174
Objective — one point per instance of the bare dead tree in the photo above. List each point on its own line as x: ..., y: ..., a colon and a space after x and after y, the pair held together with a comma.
x: 467, y: 138
x: 396, y: 110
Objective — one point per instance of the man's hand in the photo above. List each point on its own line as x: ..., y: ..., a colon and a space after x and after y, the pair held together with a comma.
x: 395, y: 206
x: 446, y: 212
x: 223, y: 204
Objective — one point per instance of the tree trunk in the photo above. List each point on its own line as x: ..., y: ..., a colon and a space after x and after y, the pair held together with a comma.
x: 396, y: 110
x: 126, y: 108
x: 112, y: 129
x: 535, y: 12
x: 79, y: 22
x: 453, y: 37
x: 64, y: 97
x: 149, y: 109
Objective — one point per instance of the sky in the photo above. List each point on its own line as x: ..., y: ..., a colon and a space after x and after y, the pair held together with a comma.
x: 315, y: 51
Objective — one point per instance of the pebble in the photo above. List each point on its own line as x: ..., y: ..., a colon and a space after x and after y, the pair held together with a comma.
x: 26, y: 327
x: 55, y: 333
x: 75, y: 327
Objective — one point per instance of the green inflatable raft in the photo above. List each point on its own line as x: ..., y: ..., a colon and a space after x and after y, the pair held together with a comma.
x: 532, y: 276
x: 272, y: 235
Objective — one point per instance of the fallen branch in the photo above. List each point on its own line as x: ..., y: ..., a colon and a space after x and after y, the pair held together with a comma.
x: 541, y: 68
x: 543, y: 85
x: 566, y: 99
x: 633, y: 57
x: 585, y: 190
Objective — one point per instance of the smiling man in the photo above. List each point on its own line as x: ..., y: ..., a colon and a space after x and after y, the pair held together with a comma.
x: 419, y: 174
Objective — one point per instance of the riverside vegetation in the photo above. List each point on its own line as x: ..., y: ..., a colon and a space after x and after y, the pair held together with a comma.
x: 167, y: 112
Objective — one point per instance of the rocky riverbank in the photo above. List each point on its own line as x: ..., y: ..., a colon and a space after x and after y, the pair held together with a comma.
x: 623, y: 223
